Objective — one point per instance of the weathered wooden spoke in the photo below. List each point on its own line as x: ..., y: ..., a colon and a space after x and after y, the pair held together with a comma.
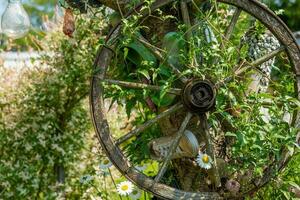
x: 161, y: 58
x: 187, y: 21
x: 255, y: 64
x: 232, y: 24
x: 156, y: 51
x: 173, y: 147
x: 210, y: 149
x: 186, y: 18
x: 149, y: 123
x: 245, y: 66
x: 267, y: 57
x: 134, y: 85
x: 271, y: 102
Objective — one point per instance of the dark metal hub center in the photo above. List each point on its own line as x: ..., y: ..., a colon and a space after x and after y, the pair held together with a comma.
x: 199, y: 96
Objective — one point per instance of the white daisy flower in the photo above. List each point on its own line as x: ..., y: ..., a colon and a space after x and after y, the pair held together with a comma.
x: 105, y: 164
x: 204, y: 161
x: 135, y: 194
x: 125, y: 188
x: 141, y: 167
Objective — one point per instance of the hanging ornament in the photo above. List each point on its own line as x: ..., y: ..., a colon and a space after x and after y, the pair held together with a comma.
x: 15, y: 21
x: 69, y: 23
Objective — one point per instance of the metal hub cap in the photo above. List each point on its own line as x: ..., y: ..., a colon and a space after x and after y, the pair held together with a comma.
x: 199, y: 96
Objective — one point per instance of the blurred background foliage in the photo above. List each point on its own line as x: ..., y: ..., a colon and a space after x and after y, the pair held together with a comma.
x: 38, y: 9
x: 290, y: 15
x: 45, y: 118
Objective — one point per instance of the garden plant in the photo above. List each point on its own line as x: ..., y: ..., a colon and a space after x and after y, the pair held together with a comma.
x: 189, y: 99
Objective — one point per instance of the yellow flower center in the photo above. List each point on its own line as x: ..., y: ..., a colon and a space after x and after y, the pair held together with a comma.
x: 105, y: 162
x: 205, y: 159
x: 124, y: 187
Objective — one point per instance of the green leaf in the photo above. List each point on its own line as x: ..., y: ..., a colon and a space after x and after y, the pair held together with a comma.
x: 138, y: 53
x: 163, y: 70
x: 255, y: 146
x: 129, y: 106
x: 167, y: 100
x: 294, y: 184
x: 145, y: 73
x: 230, y: 134
x: 291, y: 150
x: 286, y: 194
x: 126, y: 50
x: 241, y: 138
x: 279, y: 136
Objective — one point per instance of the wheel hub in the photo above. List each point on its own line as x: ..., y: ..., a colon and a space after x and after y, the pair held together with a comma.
x: 199, y: 96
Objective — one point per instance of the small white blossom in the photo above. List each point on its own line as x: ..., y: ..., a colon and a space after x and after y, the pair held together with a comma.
x: 204, y: 161
x: 125, y: 188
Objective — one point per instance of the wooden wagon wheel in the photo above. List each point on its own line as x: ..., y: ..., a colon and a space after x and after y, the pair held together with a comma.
x: 196, y: 95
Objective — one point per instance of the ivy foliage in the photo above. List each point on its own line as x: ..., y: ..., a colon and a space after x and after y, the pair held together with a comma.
x: 288, y: 12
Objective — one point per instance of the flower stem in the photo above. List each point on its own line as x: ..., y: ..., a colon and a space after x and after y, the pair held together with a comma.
x: 112, y: 178
x: 104, y: 177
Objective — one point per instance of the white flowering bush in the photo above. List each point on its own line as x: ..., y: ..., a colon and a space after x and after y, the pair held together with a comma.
x: 45, y: 122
